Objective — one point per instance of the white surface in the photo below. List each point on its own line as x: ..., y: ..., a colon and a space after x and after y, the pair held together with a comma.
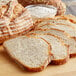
x: 41, y: 11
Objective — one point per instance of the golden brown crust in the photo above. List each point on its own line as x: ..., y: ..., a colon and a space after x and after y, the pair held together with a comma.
x: 17, y: 10
x: 73, y: 55
x: 38, y: 69
x: 59, y: 62
x: 13, y: 30
x: 56, y: 3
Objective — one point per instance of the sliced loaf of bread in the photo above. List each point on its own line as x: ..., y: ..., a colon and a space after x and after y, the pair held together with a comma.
x: 33, y: 53
x: 71, y: 42
x: 59, y: 50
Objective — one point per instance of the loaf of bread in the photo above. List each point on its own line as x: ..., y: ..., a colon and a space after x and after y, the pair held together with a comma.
x: 62, y: 26
x: 14, y: 19
x: 61, y: 7
x: 53, y: 40
x: 32, y: 53
x: 71, y: 42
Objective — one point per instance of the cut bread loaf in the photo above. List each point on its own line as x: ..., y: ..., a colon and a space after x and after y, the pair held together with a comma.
x: 63, y: 36
x: 60, y: 51
x: 33, y: 53
x: 65, y: 24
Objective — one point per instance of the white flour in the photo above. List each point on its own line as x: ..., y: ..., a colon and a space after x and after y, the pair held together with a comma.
x: 41, y: 11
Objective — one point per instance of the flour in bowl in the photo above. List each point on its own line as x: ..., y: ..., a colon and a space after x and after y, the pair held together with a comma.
x: 42, y: 11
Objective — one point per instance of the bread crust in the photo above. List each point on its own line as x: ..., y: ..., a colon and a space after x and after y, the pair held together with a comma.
x: 16, y: 30
x: 5, y: 38
x: 38, y: 69
x: 73, y: 55
x: 59, y: 62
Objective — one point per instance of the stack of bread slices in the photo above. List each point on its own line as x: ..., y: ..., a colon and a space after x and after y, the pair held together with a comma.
x: 53, y: 40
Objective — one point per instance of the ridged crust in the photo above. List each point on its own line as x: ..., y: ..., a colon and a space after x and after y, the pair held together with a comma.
x: 15, y: 27
x: 56, y: 3
x: 38, y: 69
x: 4, y: 38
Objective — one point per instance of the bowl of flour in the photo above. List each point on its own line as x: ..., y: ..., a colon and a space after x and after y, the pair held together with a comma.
x: 42, y: 11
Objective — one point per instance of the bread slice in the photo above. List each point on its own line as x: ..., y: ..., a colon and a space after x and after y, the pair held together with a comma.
x: 64, y: 22
x: 69, y: 17
x: 57, y: 20
x: 44, y: 21
x: 63, y: 36
x: 67, y: 29
x: 57, y: 23
x: 33, y: 53
x: 59, y: 50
